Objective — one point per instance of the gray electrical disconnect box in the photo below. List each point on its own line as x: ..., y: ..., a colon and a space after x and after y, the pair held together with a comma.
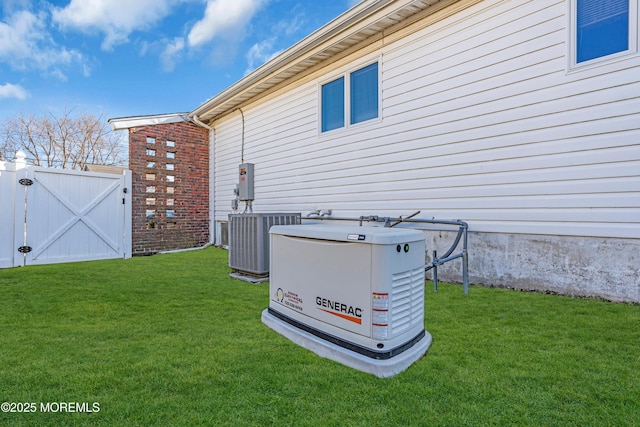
x: 245, y: 187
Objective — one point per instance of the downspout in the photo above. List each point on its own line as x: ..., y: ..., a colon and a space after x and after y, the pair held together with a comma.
x: 212, y: 179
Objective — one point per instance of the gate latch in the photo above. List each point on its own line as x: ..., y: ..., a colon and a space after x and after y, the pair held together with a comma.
x: 25, y: 181
x: 25, y: 249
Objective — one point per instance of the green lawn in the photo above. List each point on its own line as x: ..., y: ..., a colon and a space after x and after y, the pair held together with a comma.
x: 172, y: 340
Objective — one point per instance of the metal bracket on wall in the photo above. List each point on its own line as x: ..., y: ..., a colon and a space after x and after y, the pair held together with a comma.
x: 449, y: 256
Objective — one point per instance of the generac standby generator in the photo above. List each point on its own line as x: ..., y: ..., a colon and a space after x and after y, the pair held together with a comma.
x: 351, y: 294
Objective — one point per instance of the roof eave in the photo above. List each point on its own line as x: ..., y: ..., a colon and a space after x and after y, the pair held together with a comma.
x: 362, y: 17
x: 121, y: 123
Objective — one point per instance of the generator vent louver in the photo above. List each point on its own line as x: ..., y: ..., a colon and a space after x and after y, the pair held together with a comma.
x: 249, y: 239
x: 406, y: 295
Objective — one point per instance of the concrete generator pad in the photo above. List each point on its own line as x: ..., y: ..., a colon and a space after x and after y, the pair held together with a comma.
x: 380, y: 368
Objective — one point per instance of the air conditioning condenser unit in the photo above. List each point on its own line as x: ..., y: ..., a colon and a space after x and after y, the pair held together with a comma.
x: 249, y: 240
x: 351, y: 294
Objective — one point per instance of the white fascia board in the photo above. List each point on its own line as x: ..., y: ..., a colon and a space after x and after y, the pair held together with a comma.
x: 121, y: 123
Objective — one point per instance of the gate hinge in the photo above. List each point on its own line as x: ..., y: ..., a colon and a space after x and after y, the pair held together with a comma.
x: 25, y: 249
x: 25, y: 181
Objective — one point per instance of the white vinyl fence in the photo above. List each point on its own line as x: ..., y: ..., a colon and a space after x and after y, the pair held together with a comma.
x: 52, y: 215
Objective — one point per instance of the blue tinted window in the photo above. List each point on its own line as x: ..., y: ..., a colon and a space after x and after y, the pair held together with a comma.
x: 333, y: 105
x: 602, y: 28
x: 364, y: 94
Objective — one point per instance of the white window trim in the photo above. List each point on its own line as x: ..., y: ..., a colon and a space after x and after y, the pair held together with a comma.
x: 345, y: 73
x: 634, y: 39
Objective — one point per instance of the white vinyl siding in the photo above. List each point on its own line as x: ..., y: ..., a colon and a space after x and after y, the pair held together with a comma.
x: 481, y: 122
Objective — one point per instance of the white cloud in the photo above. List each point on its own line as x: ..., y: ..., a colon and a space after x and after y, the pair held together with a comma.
x: 19, y: 37
x: 171, y: 53
x: 9, y: 90
x: 289, y: 28
x: 116, y: 19
x: 26, y: 44
x: 265, y: 51
x: 223, y: 18
x: 260, y: 53
x: 10, y: 6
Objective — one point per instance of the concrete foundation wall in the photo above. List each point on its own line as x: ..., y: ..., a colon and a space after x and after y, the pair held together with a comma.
x: 608, y: 268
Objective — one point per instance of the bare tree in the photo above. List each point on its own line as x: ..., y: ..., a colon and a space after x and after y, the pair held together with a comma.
x: 67, y: 141
x: 7, y: 146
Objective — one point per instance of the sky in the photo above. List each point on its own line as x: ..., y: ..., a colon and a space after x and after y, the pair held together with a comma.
x: 124, y: 58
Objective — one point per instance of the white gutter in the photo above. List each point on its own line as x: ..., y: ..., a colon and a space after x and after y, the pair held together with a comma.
x: 212, y: 179
x: 199, y: 123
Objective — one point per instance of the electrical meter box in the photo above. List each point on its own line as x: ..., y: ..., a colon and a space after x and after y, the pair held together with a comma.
x: 354, y: 293
x: 245, y: 182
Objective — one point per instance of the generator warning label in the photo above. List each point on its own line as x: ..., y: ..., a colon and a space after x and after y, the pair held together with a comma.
x: 379, y: 316
x: 290, y: 299
x: 380, y: 301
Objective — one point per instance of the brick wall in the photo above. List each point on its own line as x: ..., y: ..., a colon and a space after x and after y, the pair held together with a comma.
x: 170, y: 175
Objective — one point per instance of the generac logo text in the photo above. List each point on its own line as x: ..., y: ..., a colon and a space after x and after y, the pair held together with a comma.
x: 336, y: 308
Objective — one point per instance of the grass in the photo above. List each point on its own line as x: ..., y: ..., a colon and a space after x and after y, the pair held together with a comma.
x: 172, y: 340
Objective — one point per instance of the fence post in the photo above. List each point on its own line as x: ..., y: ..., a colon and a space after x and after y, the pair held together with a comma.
x: 19, y: 235
x: 21, y: 160
x: 7, y: 213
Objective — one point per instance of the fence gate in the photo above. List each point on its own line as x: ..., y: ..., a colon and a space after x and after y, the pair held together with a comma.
x: 64, y: 216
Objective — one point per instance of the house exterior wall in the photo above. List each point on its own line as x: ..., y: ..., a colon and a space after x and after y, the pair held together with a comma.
x: 481, y: 120
x: 189, y: 201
